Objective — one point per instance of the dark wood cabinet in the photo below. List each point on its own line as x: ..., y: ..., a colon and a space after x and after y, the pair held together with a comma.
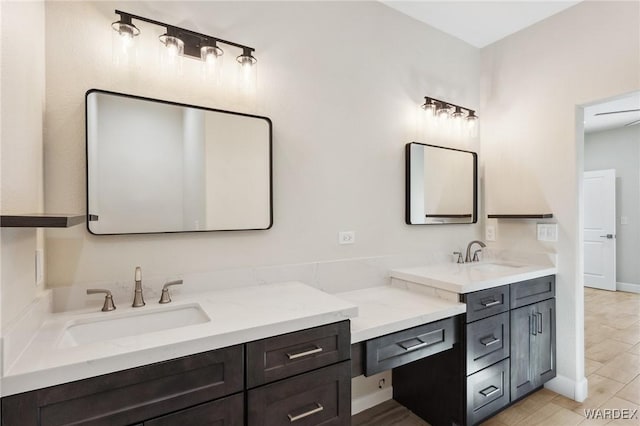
x: 320, y: 397
x: 131, y: 396
x: 533, y: 348
x: 507, y: 350
x: 304, y: 376
x: 222, y: 412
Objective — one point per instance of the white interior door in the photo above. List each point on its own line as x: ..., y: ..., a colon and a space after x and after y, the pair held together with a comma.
x: 600, y: 229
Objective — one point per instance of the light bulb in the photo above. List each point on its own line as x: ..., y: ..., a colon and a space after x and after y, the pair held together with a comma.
x: 171, y: 51
x: 443, y: 112
x: 124, y: 50
x: 211, y: 57
x: 472, y: 123
x: 247, y: 74
x: 429, y: 106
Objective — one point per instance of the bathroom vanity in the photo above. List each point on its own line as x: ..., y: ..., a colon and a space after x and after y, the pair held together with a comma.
x: 268, y: 361
x: 506, y: 350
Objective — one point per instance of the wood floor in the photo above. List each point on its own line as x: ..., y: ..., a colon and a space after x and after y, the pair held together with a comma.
x: 612, y: 364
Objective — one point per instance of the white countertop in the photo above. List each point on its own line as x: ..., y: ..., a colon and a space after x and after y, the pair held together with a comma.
x: 385, y: 309
x: 468, y: 277
x: 237, y: 315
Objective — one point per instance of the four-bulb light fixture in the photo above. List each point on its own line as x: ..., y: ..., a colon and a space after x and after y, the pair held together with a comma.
x: 445, y: 110
x: 178, y: 42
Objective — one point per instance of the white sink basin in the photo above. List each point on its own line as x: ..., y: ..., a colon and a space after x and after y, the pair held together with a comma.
x: 495, y: 267
x: 113, y: 326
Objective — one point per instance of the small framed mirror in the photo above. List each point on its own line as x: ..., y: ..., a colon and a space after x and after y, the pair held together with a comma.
x: 155, y: 166
x: 441, y: 185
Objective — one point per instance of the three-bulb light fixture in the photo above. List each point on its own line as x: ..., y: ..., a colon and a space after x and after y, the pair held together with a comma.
x: 177, y: 43
x: 444, y: 111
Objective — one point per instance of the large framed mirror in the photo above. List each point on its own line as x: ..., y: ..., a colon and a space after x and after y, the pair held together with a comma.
x: 441, y: 185
x: 155, y: 166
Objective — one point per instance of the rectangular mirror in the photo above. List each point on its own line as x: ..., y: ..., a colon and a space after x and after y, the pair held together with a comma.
x: 441, y: 185
x: 156, y: 166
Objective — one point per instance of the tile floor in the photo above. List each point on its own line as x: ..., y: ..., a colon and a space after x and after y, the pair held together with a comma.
x: 612, y: 364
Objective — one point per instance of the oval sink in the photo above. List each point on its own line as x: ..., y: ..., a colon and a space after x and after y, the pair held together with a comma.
x: 495, y: 267
x: 113, y: 326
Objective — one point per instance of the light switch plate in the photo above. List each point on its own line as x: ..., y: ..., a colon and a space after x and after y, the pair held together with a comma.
x: 547, y: 232
x: 624, y: 220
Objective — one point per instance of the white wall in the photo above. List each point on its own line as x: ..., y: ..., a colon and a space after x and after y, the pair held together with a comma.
x: 22, y: 75
x: 619, y: 149
x: 532, y: 149
x: 342, y: 82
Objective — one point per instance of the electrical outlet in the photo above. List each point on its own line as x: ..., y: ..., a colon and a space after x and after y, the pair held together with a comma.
x: 346, y: 237
x: 490, y: 233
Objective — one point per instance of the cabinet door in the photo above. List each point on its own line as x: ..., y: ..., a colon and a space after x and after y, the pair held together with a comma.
x: 544, y: 355
x: 522, y: 329
x: 223, y: 412
x: 533, y: 347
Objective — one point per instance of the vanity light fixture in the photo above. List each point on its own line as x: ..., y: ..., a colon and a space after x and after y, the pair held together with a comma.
x: 443, y: 109
x: 179, y: 42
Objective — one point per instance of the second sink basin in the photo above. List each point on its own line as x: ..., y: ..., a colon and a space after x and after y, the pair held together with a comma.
x: 113, y: 326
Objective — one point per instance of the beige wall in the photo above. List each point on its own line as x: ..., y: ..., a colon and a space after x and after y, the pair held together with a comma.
x: 342, y: 82
x: 532, y: 83
x: 21, y: 108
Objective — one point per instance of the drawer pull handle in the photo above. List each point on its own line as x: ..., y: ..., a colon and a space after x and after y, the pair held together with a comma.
x: 533, y: 320
x: 488, y: 341
x: 408, y: 347
x: 487, y: 392
x: 311, y: 412
x: 490, y: 303
x: 317, y: 349
x: 539, y: 315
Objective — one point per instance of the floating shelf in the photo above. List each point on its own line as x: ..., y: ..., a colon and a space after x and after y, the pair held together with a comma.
x: 521, y: 216
x: 448, y: 215
x: 41, y: 220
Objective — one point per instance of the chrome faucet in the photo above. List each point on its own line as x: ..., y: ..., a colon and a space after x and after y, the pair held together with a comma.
x: 475, y: 254
x: 138, y: 299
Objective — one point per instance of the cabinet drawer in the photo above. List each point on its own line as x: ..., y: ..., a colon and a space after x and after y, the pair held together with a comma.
x: 222, y: 412
x: 487, y: 342
x: 131, y: 396
x: 321, y: 397
x: 487, y: 392
x: 283, y: 356
x: 393, y: 350
x: 484, y: 303
x: 532, y: 291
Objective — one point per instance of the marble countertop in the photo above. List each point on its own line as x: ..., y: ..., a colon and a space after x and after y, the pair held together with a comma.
x: 469, y: 277
x: 237, y: 315
x: 385, y: 309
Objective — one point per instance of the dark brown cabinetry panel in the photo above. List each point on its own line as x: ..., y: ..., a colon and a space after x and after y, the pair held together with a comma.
x: 394, y: 350
x: 320, y: 398
x: 487, y: 391
x: 222, y: 412
x: 532, y: 291
x: 130, y: 396
x: 487, y: 342
x: 533, y: 347
x: 484, y: 303
x: 283, y: 356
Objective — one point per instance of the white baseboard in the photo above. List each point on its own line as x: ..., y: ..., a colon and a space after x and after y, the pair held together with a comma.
x: 576, y: 390
x: 631, y: 288
x: 369, y: 400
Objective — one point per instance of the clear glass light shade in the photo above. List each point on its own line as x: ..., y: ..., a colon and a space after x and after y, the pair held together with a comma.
x: 247, y: 73
x: 429, y: 107
x: 442, y: 113
x: 171, y: 50
x: 123, y: 43
x: 472, y: 124
x: 211, y: 57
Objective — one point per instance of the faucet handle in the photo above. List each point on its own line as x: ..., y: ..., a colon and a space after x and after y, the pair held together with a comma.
x: 460, y: 260
x: 165, y: 297
x: 475, y: 255
x: 108, y: 298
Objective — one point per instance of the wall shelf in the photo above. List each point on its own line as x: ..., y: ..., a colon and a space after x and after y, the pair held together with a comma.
x: 521, y: 216
x: 41, y: 220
